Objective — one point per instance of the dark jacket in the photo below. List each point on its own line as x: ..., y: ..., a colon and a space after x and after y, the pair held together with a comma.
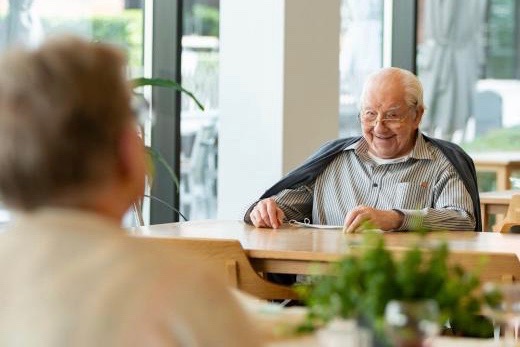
x: 317, y: 162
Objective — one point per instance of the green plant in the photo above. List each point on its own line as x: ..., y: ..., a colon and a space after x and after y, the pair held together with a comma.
x: 155, y: 155
x: 166, y: 83
x: 365, y: 280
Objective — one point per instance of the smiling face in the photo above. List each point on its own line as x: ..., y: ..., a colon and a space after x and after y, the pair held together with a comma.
x: 385, y: 97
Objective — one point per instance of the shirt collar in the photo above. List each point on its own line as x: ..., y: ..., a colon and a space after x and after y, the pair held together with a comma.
x: 419, y: 151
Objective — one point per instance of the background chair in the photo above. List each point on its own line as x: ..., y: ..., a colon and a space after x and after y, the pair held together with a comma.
x: 487, y: 110
x: 512, y: 221
x: 199, y: 175
x: 228, y: 259
x: 489, y: 267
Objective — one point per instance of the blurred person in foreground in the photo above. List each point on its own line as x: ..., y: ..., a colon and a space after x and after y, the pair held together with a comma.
x: 393, y: 176
x: 71, y: 165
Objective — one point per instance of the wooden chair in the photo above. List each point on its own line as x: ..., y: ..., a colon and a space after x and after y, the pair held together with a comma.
x: 512, y: 219
x: 228, y: 259
x: 490, y: 267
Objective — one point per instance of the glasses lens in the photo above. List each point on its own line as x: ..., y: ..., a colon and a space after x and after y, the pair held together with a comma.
x: 390, y: 118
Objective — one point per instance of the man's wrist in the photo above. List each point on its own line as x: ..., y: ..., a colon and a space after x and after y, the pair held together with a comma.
x: 413, y: 219
x: 400, y: 218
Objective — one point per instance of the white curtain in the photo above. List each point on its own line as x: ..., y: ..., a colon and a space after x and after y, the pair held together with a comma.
x: 448, y: 62
x: 21, y: 26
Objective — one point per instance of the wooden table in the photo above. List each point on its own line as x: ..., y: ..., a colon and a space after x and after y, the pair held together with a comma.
x: 440, y: 341
x: 300, y: 250
x: 503, y: 164
x: 494, y: 203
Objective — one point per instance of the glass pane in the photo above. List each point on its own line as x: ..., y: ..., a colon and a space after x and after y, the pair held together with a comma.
x: 501, y: 52
x: 468, y: 62
x: 358, y: 56
x: 116, y: 21
x: 199, y: 133
x: 120, y: 22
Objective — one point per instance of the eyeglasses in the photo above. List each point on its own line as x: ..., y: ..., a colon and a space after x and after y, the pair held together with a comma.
x: 370, y: 117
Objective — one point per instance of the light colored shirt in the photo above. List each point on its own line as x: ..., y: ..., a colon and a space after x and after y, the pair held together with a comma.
x: 72, y: 278
x: 425, y: 188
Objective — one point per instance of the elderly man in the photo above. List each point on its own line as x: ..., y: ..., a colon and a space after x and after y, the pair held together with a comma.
x: 393, y: 176
x: 71, y: 164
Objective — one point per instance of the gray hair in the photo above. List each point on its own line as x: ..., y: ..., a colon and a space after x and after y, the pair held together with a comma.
x: 412, y: 86
x: 63, y: 108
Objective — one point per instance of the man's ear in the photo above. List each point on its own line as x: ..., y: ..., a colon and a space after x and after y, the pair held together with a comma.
x: 124, y: 154
x: 419, y: 112
x: 131, y: 157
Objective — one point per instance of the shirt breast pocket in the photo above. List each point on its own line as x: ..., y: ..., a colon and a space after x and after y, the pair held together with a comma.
x: 410, y: 196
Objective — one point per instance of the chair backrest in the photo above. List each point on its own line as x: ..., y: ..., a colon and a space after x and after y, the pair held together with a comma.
x: 228, y: 259
x: 489, y: 267
x: 204, y: 146
x: 487, y: 110
x: 512, y: 219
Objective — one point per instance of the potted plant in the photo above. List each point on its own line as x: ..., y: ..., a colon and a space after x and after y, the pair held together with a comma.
x: 363, y: 283
x: 155, y: 156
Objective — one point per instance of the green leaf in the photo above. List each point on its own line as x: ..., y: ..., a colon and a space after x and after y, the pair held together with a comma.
x: 157, y: 157
x: 365, y: 280
x: 165, y: 83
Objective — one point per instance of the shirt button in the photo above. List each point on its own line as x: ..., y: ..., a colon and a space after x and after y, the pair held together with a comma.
x: 374, y: 184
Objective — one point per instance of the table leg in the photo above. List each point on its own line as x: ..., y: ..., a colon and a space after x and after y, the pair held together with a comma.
x: 507, y: 173
x: 485, y: 212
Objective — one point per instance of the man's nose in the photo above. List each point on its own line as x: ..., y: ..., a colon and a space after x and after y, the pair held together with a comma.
x: 379, y: 122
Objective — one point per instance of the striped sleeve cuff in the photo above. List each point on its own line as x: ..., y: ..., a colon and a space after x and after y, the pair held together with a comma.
x: 412, y: 219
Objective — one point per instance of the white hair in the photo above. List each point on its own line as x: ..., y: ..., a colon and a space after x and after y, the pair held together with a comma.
x: 413, y: 89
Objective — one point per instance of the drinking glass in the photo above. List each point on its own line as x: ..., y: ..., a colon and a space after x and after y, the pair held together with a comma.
x: 505, y: 312
x: 411, y: 323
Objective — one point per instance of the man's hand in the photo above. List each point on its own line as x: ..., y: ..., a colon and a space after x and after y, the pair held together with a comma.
x: 267, y: 214
x: 382, y: 219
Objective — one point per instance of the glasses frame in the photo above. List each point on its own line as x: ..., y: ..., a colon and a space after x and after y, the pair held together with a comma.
x: 381, y: 118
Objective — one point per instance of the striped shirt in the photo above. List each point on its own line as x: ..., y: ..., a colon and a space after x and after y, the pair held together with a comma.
x: 426, y: 188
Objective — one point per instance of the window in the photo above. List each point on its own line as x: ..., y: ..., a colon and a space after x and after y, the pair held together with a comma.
x: 120, y: 22
x: 199, y: 134
x: 502, y: 35
x: 468, y: 62
x: 358, y: 56
x: 116, y: 21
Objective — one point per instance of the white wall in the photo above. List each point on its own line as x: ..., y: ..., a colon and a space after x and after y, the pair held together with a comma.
x: 279, y: 92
